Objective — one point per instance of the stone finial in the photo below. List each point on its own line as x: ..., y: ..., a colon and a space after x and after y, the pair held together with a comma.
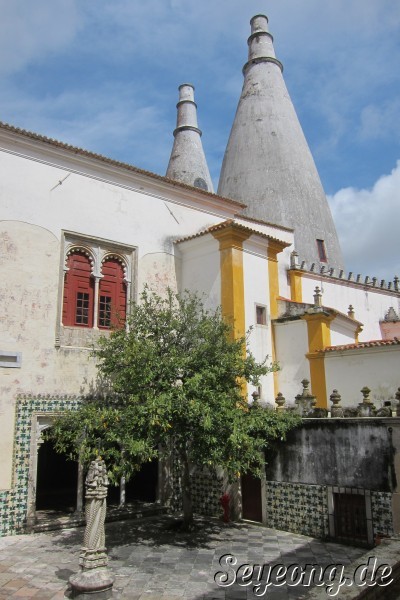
x: 312, y: 268
x: 280, y: 401
x: 350, y: 277
x: 391, y: 315
x: 366, y: 408
x: 341, y: 274
x: 386, y: 410
x: 305, y: 401
x: 256, y: 398
x: 396, y: 283
x: 374, y: 280
x: 94, y: 577
x: 383, y: 283
x: 350, y: 311
x: 336, y: 410
x: 358, y: 278
x: 294, y: 260
x: 366, y: 392
x: 317, y: 297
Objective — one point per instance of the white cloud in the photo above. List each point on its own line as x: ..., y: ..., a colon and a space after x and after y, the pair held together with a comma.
x: 31, y: 30
x: 367, y: 222
x: 380, y: 121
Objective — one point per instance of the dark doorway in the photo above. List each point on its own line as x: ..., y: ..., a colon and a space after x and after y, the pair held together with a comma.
x: 251, y: 498
x: 350, y: 517
x: 57, y: 480
x: 141, y: 488
x: 143, y: 485
x: 113, y: 495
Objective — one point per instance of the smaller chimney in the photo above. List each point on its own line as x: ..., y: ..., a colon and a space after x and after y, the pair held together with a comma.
x: 187, y: 162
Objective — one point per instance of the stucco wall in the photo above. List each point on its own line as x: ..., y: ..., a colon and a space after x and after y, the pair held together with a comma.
x: 342, y: 452
x: 29, y: 263
x: 256, y: 285
x: 39, y: 201
x: 351, y: 370
x: 342, y: 332
x: 291, y: 340
x: 200, y: 270
x: 370, y: 305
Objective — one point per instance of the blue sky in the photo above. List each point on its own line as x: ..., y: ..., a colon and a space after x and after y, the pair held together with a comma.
x: 104, y: 76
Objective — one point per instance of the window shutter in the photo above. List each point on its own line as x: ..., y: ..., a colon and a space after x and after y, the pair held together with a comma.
x: 112, y: 295
x: 78, y: 292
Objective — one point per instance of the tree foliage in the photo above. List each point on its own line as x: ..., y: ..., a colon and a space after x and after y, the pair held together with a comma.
x: 177, y: 376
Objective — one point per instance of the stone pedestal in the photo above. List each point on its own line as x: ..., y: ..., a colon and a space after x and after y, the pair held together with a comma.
x: 95, y: 580
x: 93, y: 584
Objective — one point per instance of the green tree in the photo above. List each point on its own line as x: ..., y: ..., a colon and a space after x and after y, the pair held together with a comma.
x: 177, y: 376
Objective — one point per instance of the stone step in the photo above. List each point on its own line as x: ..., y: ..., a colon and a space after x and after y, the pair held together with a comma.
x: 51, y: 520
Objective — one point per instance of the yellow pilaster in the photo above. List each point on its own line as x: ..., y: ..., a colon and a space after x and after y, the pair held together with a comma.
x: 274, y: 247
x: 296, y: 287
x: 232, y: 276
x: 319, y: 337
x: 232, y: 279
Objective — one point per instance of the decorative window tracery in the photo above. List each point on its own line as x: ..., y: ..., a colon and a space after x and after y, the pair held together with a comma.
x: 78, y: 290
x: 112, y: 294
x: 96, y: 287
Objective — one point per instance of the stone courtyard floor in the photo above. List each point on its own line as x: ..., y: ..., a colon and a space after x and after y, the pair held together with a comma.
x: 150, y: 560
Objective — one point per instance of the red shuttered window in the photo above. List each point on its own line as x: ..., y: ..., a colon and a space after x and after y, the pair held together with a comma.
x: 112, y: 295
x: 78, y: 291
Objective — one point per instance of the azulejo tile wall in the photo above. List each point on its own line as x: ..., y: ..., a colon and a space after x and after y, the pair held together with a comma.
x: 297, y: 507
x: 13, y: 503
x: 303, y: 508
x: 206, y: 489
x: 382, y: 516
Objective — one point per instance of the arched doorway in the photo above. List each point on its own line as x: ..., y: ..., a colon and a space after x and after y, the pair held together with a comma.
x: 56, y: 480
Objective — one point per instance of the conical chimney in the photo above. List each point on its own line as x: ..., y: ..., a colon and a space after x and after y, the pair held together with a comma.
x: 188, y: 162
x: 268, y: 164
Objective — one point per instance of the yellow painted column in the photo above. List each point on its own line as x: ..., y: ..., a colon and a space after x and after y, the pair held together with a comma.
x: 296, y: 287
x: 274, y: 247
x: 319, y: 337
x: 232, y: 280
x: 232, y: 276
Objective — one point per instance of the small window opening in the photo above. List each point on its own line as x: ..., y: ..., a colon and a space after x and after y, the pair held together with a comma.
x: 321, y: 251
x: 82, y: 308
x: 261, y: 315
x: 105, y: 311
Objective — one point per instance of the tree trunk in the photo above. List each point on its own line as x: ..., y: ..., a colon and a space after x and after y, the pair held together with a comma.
x: 186, y: 492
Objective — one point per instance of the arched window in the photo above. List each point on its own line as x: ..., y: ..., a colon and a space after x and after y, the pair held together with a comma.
x: 112, y: 295
x: 78, y: 291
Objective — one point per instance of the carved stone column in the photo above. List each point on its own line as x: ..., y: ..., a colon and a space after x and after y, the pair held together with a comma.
x: 94, y: 580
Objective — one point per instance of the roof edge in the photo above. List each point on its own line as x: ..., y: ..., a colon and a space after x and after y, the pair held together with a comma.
x: 75, y: 150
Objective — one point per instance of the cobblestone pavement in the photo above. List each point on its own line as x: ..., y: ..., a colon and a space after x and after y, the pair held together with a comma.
x: 151, y: 560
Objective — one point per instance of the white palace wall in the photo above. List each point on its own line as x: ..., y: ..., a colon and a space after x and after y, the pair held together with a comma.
x: 370, y: 304
x: 40, y: 201
x: 377, y: 368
